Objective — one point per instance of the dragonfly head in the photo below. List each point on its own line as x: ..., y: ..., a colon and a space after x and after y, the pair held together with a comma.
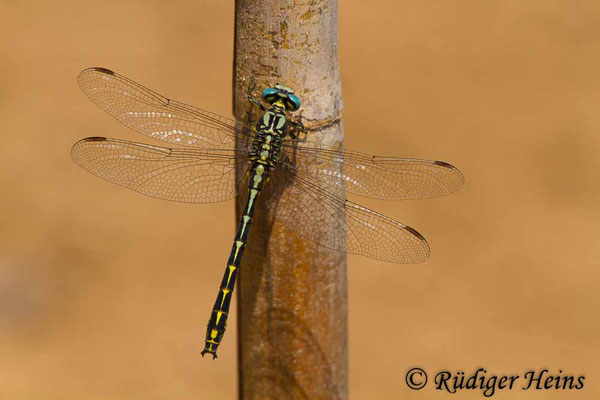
x: 283, y: 94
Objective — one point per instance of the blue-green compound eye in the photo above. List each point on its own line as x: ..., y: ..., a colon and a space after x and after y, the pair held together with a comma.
x: 268, y: 93
x: 294, y: 102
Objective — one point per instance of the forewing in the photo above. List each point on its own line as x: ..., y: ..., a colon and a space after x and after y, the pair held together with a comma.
x: 387, y: 178
x: 183, y: 175
x: 156, y: 116
x: 319, y: 215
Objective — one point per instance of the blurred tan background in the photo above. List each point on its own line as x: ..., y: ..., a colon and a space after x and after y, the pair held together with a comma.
x: 105, y: 294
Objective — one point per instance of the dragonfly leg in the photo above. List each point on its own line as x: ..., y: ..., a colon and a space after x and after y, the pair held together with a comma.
x: 256, y: 102
x: 253, y: 100
x: 298, y: 131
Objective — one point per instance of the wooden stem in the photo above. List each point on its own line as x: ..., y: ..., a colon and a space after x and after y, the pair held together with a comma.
x: 292, y: 293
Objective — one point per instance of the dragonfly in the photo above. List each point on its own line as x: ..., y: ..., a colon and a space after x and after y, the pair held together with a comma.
x: 298, y: 177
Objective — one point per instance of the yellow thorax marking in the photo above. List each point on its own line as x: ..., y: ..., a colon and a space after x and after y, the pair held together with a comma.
x: 280, y: 123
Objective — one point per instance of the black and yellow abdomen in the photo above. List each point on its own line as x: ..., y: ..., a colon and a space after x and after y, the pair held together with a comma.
x: 264, y: 153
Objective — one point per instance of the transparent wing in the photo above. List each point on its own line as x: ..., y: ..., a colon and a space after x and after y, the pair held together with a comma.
x: 311, y: 211
x: 156, y: 116
x: 386, y: 178
x: 184, y: 175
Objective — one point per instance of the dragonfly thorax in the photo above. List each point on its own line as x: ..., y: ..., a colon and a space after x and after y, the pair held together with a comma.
x: 271, y: 129
x: 273, y: 121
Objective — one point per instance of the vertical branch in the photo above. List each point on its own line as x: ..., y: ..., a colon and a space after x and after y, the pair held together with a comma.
x: 292, y: 293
